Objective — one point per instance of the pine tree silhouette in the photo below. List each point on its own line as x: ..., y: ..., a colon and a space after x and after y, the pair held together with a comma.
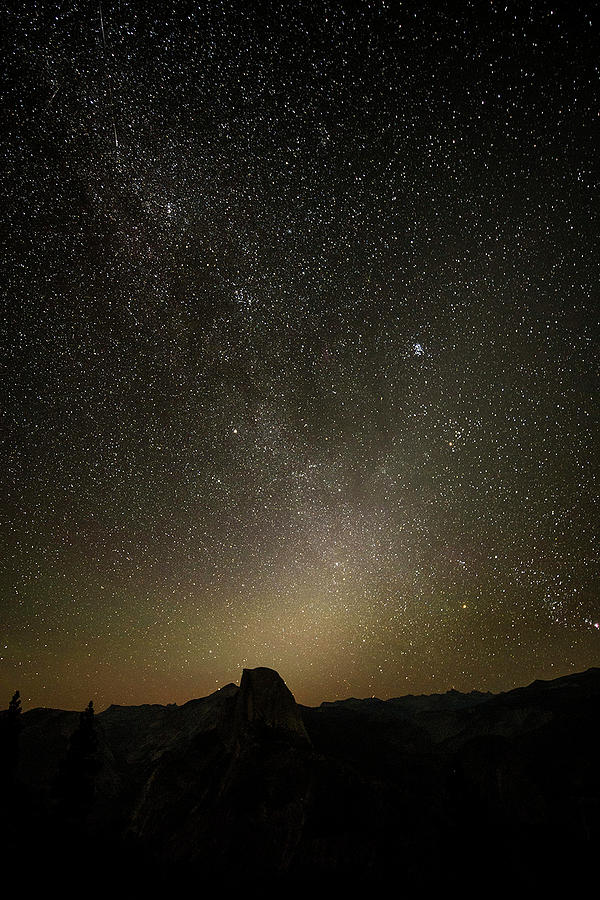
x: 78, y: 770
x: 10, y: 728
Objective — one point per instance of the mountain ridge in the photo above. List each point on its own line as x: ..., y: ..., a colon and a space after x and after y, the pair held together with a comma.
x: 324, y: 703
x: 246, y: 783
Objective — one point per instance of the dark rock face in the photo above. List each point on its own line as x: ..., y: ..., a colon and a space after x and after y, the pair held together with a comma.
x: 235, y: 797
x: 245, y: 784
x: 265, y: 700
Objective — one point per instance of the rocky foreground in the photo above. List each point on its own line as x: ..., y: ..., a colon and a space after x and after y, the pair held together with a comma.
x: 247, y: 786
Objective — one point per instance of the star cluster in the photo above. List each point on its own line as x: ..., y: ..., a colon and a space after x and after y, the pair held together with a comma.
x: 300, y: 345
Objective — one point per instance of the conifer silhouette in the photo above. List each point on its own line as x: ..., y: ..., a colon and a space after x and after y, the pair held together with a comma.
x: 10, y: 728
x: 79, y: 767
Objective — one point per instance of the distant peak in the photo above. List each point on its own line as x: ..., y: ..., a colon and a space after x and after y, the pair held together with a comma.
x: 265, y: 699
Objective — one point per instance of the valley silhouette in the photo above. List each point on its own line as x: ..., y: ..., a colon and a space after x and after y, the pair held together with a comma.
x: 246, y: 787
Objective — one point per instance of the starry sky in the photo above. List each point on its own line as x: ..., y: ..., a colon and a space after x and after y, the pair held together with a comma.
x: 300, y: 348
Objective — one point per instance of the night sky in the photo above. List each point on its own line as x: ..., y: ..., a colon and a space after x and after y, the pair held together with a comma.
x: 300, y: 360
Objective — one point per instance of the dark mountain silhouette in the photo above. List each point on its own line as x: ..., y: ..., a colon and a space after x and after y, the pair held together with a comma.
x: 247, y: 786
